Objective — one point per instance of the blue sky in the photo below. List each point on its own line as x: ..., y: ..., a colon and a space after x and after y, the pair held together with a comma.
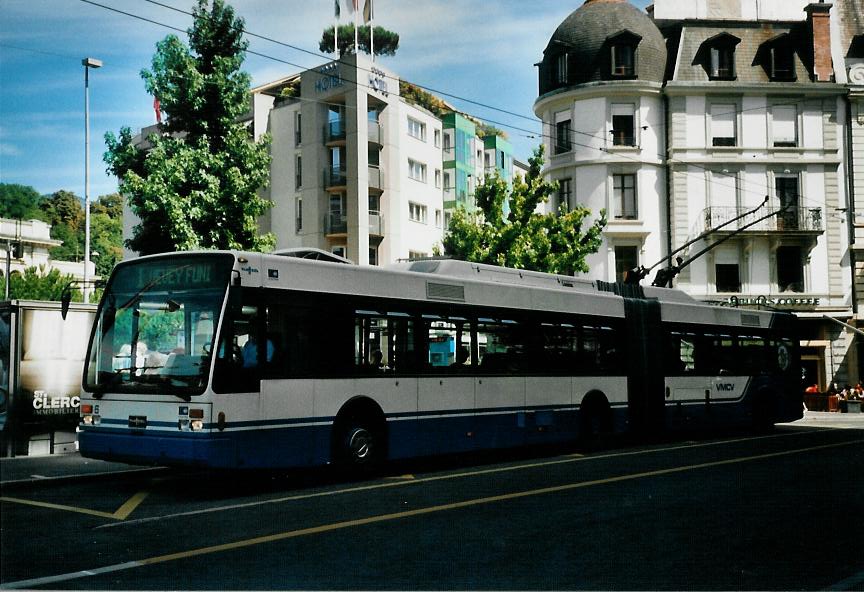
x: 480, y: 51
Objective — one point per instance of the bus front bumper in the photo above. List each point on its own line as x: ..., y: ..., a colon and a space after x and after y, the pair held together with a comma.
x: 157, y: 448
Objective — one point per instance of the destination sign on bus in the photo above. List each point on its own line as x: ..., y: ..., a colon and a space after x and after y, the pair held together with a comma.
x: 175, y: 273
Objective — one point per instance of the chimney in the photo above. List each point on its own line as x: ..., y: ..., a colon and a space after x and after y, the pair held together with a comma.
x: 818, y: 17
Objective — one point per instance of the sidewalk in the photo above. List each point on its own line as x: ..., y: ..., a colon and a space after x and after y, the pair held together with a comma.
x: 825, y: 419
x: 57, y: 468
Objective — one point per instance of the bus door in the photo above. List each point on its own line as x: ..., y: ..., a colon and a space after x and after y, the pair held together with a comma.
x: 686, y: 385
x: 644, y: 359
x: 445, y: 396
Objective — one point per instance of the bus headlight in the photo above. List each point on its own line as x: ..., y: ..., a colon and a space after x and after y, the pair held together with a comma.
x: 197, y: 425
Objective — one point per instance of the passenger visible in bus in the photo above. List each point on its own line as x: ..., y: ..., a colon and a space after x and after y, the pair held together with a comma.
x: 377, y: 360
x: 250, y: 351
x: 462, y: 356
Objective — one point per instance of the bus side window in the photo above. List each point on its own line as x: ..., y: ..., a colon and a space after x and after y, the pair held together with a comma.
x: 449, y: 344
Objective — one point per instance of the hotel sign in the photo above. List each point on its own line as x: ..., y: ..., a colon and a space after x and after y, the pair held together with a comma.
x: 378, y: 81
x: 330, y: 78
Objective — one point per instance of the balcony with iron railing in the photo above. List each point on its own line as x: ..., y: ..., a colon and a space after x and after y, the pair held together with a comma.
x: 335, y: 177
x: 793, y: 219
x: 336, y: 223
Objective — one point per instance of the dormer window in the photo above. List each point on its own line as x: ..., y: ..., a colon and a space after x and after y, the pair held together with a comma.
x: 622, y: 48
x: 561, y: 69
x: 782, y: 64
x: 779, y: 59
x: 717, y: 56
x: 623, y: 61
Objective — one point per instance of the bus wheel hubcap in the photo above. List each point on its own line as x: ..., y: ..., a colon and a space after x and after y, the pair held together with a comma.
x: 360, y: 444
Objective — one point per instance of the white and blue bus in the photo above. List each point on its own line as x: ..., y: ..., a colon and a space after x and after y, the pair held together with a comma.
x: 243, y: 360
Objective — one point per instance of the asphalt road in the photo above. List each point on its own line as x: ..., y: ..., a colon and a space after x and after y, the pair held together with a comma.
x: 734, y: 511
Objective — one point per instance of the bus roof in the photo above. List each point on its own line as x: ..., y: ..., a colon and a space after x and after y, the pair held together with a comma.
x: 458, y: 282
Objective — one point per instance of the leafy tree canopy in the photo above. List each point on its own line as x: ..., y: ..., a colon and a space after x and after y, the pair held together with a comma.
x: 39, y: 283
x: 557, y: 242
x: 20, y: 202
x: 196, y: 185
x: 386, y: 42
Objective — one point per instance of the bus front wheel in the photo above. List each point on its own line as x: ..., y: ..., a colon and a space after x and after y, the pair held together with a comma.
x: 359, y: 441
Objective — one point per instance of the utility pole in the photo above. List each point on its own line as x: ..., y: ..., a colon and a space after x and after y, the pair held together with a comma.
x: 87, y: 63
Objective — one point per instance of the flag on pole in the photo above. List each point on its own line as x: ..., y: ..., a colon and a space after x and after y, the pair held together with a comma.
x: 337, y: 14
x: 355, y: 8
x: 157, y: 107
x: 367, y: 18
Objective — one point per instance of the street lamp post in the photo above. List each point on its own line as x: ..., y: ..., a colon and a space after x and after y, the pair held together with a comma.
x: 87, y: 63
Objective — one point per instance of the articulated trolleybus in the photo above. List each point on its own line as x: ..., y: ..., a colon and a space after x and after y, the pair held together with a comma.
x: 243, y: 360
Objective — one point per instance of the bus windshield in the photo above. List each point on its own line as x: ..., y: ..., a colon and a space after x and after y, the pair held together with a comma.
x: 156, y: 325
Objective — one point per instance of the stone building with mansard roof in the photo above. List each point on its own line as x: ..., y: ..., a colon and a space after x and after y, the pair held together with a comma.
x: 682, y: 120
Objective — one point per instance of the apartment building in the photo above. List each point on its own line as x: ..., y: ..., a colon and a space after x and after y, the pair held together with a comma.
x: 360, y: 171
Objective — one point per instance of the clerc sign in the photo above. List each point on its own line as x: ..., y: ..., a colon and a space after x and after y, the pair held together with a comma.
x: 776, y: 301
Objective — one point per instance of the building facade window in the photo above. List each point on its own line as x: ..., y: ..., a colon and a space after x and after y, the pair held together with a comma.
x: 724, y: 120
x: 565, y: 194
x: 624, y: 197
x: 727, y: 271
x: 416, y: 212
x: 623, y: 124
x: 623, y: 60
x: 784, y: 126
x: 298, y: 214
x: 298, y: 135
x: 626, y: 258
x: 563, y: 141
x: 561, y: 68
x: 416, y: 129
x: 437, y: 136
x: 338, y: 250
x: 417, y: 170
x: 790, y: 269
x: 723, y: 192
x: 723, y: 62
x: 298, y: 172
x: 786, y: 188
x: 438, y: 178
x: 373, y: 255
x: 727, y: 277
x: 782, y: 58
x: 438, y: 218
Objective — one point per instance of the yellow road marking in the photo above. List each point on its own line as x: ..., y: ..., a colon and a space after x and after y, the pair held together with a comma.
x: 122, y: 512
x: 402, y: 515
x: 467, y: 504
x: 401, y: 478
x: 131, y: 504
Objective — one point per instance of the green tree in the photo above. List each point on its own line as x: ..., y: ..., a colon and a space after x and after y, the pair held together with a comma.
x: 196, y: 183
x: 556, y: 242
x: 386, y: 42
x: 64, y: 212
x: 110, y: 205
x: 40, y: 283
x: 20, y: 202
